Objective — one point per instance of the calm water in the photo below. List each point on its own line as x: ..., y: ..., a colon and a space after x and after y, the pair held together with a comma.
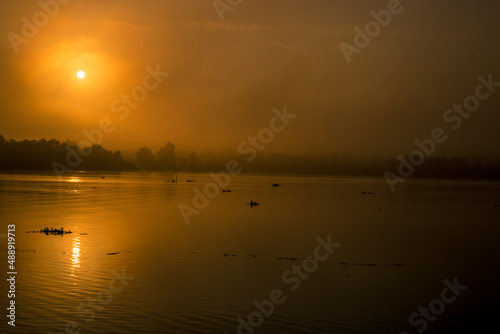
x: 396, y: 250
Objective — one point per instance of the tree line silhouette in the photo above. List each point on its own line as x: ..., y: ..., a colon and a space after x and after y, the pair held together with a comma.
x: 41, y: 154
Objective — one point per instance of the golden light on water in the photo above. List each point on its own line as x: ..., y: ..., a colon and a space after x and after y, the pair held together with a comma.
x: 73, y: 179
x: 75, y: 256
x: 76, y: 181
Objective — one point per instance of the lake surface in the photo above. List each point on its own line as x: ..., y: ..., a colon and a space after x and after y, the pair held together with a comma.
x: 396, y: 249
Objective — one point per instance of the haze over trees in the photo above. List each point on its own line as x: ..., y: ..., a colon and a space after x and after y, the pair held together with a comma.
x: 40, y: 155
x: 164, y: 159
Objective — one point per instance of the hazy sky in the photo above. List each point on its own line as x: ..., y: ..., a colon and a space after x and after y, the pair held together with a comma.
x: 226, y: 77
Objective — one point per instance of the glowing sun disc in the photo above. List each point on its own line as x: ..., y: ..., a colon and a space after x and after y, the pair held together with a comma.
x: 80, y: 74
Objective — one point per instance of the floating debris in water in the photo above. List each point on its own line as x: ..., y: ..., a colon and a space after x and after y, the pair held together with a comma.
x: 52, y: 231
x: 276, y: 185
x: 226, y: 190
x: 295, y: 259
x: 189, y: 180
x: 347, y: 264
x: 115, y: 253
x: 226, y: 254
x: 252, y: 204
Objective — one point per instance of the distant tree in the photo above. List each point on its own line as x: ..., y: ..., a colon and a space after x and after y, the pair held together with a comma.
x: 145, y: 160
x: 166, y: 156
x: 193, y: 162
x: 2, y: 152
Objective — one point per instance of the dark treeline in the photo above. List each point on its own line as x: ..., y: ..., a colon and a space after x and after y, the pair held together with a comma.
x: 454, y: 167
x: 41, y: 155
x: 323, y: 164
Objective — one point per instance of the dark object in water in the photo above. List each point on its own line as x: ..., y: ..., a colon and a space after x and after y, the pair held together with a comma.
x: 53, y: 231
x: 252, y: 204
x: 370, y: 265
x: 226, y: 254
x: 369, y: 193
x: 226, y: 190
x: 189, y: 180
x: 276, y: 185
x: 115, y: 253
x: 103, y: 177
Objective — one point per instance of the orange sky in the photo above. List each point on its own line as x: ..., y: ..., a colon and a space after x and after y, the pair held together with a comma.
x: 226, y: 77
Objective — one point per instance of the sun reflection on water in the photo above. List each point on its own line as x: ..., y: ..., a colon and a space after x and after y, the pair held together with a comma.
x: 76, y: 181
x: 73, y: 179
x: 75, y: 256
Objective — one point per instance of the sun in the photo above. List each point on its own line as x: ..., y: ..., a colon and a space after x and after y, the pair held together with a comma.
x: 80, y: 74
